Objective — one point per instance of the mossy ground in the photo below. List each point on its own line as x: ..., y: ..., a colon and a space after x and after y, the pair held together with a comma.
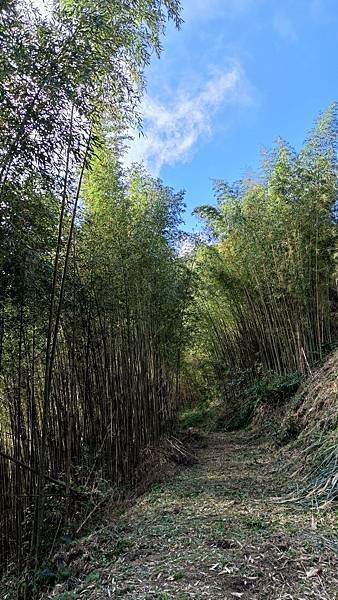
x: 216, y: 530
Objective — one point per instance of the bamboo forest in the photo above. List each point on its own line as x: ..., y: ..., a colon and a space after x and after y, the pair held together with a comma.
x: 168, y: 393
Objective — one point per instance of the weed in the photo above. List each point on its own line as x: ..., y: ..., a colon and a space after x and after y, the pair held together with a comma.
x: 220, y: 526
x: 93, y: 577
x: 120, y: 547
x: 195, y: 417
x: 207, y: 416
x: 178, y: 575
x: 256, y: 522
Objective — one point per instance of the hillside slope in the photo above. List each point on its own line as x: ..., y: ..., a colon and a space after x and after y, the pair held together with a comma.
x: 311, y: 421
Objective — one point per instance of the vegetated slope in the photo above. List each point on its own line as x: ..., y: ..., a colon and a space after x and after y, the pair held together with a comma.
x: 310, y: 426
x: 214, y: 531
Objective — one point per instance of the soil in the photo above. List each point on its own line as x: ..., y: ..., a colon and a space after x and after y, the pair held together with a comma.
x: 218, y: 529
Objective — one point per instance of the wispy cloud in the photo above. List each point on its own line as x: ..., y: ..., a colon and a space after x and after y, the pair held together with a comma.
x: 172, y: 129
x: 210, y: 9
x: 285, y: 28
x: 322, y: 11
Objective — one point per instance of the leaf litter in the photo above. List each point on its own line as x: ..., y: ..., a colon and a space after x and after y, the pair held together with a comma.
x: 212, y: 531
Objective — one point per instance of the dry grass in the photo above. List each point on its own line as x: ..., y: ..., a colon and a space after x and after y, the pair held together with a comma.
x: 212, y: 531
x: 313, y: 420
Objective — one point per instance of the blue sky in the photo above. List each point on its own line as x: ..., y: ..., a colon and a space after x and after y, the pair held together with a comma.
x: 239, y: 74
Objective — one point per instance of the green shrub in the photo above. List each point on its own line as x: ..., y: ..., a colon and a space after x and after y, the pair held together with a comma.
x: 194, y: 417
x: 275, y: 390
x: 207, y: 416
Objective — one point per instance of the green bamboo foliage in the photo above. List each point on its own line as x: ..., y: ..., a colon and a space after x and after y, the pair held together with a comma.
x: 266, y: 286
x: 65, y: 356
x: 115, y: 377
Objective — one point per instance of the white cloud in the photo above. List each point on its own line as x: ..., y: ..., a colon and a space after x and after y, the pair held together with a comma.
x: 172, y: 129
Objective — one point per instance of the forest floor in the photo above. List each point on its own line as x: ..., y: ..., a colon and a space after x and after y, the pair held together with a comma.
x: 217, y: 529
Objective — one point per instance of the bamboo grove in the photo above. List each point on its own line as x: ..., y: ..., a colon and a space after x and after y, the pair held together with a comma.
x: 267, y: 293
x: 106, y: 324
x: 114, y: 380
x: 91, y: 290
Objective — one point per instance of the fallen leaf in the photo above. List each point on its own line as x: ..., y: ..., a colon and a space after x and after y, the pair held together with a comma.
x: 314, y: 571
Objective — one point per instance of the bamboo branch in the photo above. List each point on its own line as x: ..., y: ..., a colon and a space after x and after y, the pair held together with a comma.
x: 47, y: 477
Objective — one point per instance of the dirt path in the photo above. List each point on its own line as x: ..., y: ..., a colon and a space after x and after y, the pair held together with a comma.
x: 215, y: 531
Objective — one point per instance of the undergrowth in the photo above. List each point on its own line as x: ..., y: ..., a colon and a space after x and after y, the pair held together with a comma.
x: 275, y: 388
x: 246, y: 402
x: 207, y: 416
x: 237, y: 410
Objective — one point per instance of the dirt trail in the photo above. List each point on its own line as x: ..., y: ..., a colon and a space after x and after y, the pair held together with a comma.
x: 215, y: 531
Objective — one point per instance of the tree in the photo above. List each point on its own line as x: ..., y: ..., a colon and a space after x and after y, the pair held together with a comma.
x: 61, y: 75
x: 266, y: 281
